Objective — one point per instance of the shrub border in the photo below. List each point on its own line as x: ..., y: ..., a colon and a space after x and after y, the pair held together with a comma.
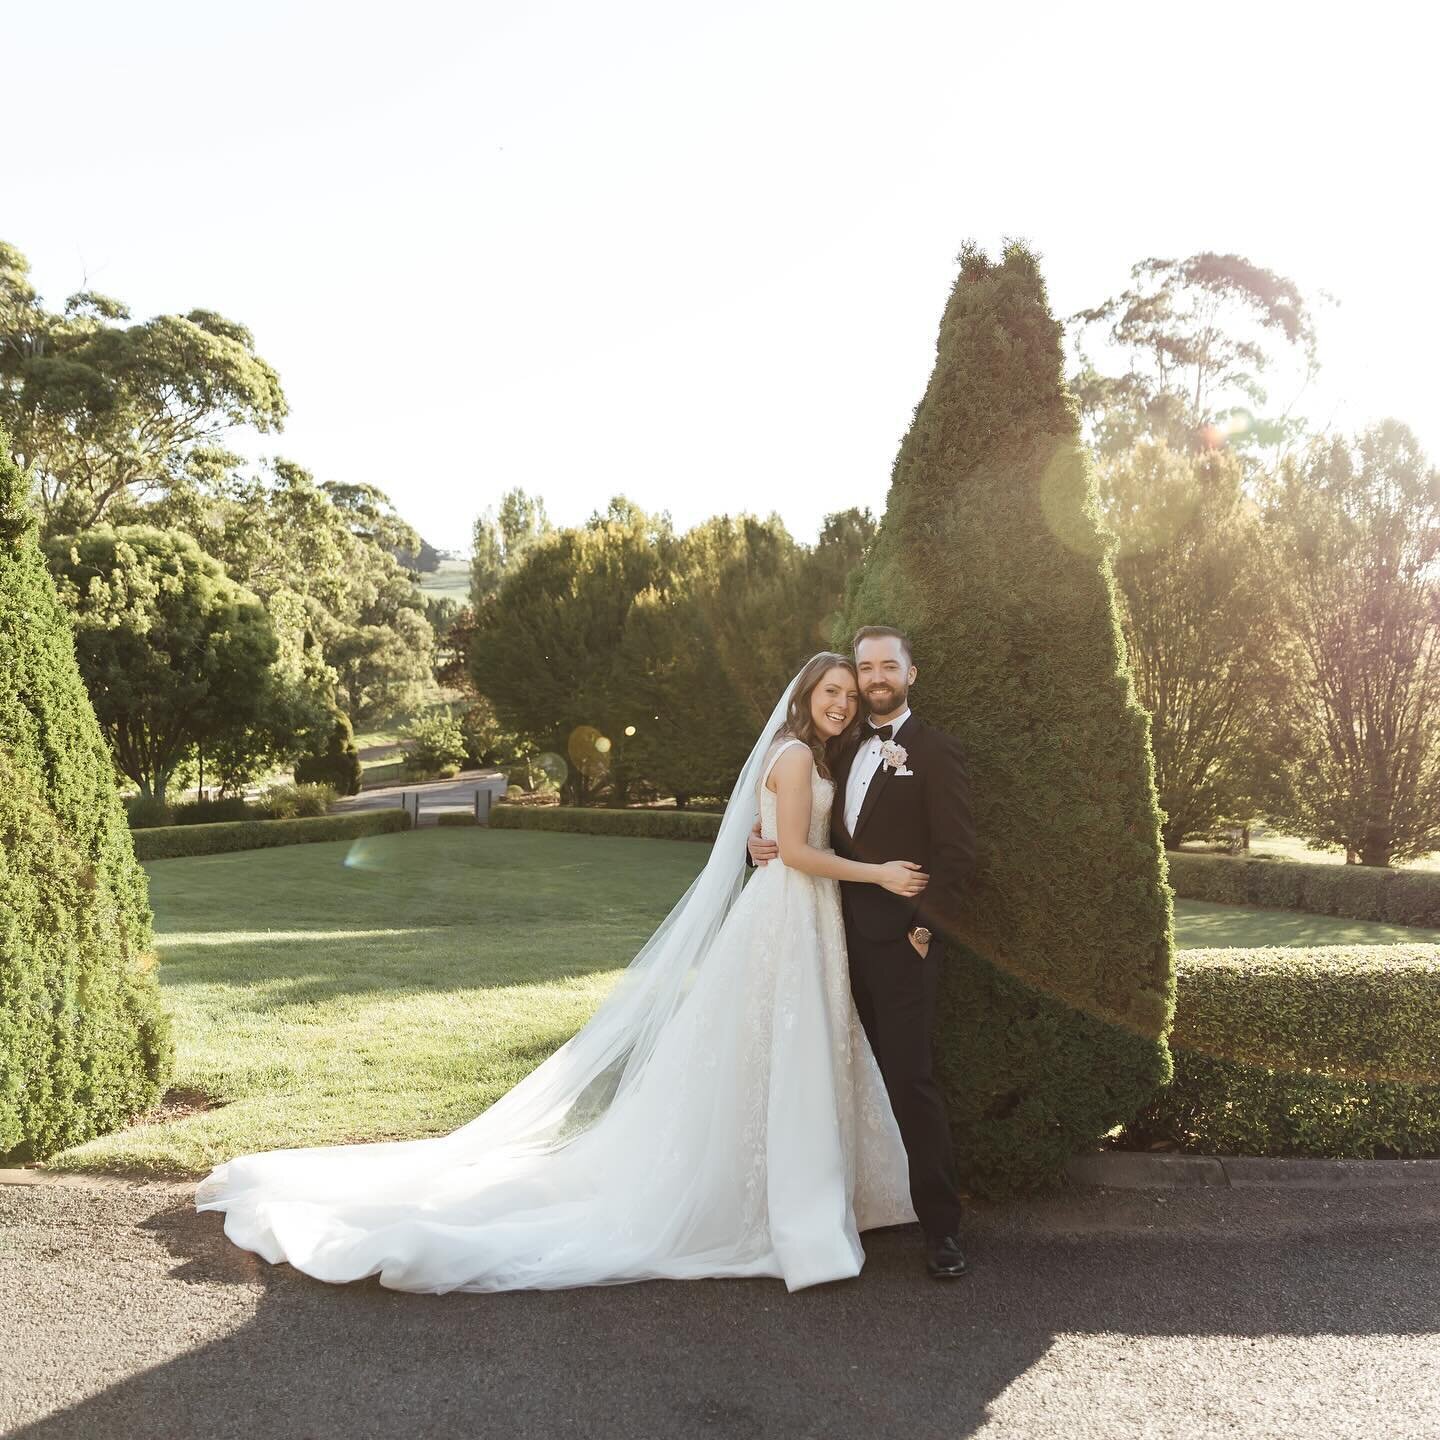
x: 1325, y: 1051
x: 649, y: 824
x: 175, y: 842
x: 1350, y: 892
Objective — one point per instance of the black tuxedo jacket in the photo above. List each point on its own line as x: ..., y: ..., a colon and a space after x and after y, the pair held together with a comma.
x: 925, y: 817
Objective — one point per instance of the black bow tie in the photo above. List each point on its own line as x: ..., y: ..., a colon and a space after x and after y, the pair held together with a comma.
x: 884, y: 732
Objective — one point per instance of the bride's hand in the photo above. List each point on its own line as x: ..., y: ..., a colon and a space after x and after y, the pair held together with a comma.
x: 903, y: 877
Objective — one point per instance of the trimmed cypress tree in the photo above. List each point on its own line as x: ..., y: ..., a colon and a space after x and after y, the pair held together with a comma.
x: 1056, y: 1004
x: 338, y: 764
x: 84, y: 1043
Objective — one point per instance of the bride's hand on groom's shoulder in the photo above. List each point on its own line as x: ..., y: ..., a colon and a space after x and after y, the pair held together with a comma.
x: 762, y: 851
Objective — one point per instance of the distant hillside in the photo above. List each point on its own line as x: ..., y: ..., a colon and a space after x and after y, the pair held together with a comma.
x: 450, y: 579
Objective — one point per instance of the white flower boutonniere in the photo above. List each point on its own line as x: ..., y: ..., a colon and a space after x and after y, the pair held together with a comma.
x: 894, y: 757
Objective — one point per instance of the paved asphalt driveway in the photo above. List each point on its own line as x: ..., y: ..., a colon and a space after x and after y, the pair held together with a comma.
x: 457, y: 795
x: 1197, y: 1313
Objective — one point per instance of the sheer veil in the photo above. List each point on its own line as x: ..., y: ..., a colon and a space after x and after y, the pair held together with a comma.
x: 571, y: 1090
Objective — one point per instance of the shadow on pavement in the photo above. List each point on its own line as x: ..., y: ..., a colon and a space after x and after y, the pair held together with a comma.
x: 889, y: 1353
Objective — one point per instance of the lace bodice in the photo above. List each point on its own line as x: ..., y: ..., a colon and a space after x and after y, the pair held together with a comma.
x: 822, y: 796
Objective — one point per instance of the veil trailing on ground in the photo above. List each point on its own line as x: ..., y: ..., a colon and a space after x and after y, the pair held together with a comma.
x: 569, y: 1092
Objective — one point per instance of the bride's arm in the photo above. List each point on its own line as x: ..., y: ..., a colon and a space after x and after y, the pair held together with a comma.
x: 791, y: 776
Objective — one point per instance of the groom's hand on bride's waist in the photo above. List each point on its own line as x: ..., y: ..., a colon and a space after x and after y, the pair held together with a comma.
x: 762, y: 851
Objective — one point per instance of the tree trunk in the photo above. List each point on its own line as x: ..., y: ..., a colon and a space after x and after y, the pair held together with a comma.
x: 1375, y: 847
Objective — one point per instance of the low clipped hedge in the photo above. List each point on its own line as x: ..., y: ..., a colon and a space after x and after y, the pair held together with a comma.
x: 1353, y: 892
x: 171, y: 842
x: 1329, y: 1051
x: 651, y: 824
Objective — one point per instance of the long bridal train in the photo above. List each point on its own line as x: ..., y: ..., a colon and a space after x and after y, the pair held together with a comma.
x: 721, y: 1114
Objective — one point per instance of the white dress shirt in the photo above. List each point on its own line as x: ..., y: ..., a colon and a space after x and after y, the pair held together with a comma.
x: 863, y: 768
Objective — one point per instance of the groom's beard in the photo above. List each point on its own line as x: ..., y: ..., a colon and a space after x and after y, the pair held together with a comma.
x: 886, y: 699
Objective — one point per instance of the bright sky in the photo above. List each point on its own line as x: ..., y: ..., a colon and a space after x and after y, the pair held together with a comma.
x: 696, y: 252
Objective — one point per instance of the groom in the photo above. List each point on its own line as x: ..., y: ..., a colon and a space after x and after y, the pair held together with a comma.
x: 901, y: 793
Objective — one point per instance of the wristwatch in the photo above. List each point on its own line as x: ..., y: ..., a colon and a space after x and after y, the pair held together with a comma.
x: 920, y: 935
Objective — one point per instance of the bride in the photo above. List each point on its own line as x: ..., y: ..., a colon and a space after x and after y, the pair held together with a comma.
x: 721, y: 1113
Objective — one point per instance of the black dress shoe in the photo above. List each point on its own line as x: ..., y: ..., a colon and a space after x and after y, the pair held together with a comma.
x: 946, y: 1259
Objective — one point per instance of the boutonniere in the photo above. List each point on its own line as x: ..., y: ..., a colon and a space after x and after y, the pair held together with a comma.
x: 893, y: 756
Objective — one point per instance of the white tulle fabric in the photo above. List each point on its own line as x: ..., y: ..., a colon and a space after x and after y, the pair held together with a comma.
x: 721, y: 1114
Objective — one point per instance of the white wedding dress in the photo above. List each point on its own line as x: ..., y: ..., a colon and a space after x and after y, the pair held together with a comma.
x: 753, y: 1137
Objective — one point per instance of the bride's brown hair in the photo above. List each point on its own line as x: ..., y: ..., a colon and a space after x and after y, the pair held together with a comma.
x: 800, y: 722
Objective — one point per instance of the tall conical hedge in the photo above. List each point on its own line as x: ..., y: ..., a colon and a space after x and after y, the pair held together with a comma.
x: 84, y: 1043
x: 1055, y: 1010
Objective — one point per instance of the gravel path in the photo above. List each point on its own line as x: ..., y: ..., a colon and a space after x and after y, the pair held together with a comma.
x: 1092, y: 1313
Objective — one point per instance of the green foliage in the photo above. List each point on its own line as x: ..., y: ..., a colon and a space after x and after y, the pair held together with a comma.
x: 651, y: 824
x: 1198, y: 610
x: 174, y: 653
x: 337, y: 764
x: 706, y: 650
x: 501, y: 539
x: 208, y: 812
x: 180, y: 840
x: 1334, y: 1051
x: 1356, y: 892
x: 436, y: 743
x: 103, y: 410
x: 636, y: 657
x: 1198, y: 335
x: 370, y: 515
x: 345, y: 611
x: 84, y: 1043
x: 1058, y: 990
x: 455, y: 817
x: 290, y: 802
x: 1356, y: 530
x: 545, y: 645
x: 487, y: 742
x: 144, y: 811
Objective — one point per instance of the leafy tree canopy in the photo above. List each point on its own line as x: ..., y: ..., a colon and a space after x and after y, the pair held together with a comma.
x: 100, y: 407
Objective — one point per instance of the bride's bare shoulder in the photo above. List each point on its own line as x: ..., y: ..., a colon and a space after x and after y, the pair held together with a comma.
x: 792, y: 764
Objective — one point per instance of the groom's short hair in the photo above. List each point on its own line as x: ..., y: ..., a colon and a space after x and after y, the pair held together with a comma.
x: 875, y: 632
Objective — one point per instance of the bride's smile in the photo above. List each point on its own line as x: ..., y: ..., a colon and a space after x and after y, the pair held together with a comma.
x: 835, y: 703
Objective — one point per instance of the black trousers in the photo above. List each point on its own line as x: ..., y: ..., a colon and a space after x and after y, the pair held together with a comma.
x: 895, y: 990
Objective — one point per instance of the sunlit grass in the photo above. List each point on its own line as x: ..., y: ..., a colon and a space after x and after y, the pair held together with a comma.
x: 396, y: 986
x: 393, y: 996
x: 1273, y: 845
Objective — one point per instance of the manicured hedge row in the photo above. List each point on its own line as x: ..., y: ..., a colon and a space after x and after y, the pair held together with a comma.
x: 1355, y: 892
x: 654, y: 824
x: 1325, y: 1051
x: 170, y: 842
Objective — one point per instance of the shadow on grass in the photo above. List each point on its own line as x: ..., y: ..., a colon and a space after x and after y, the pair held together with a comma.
x: 261, y: 976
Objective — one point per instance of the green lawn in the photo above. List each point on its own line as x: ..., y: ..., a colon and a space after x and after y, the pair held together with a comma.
x: 1274, y: 845
x: 395, y: 986
x: 451, y: 581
